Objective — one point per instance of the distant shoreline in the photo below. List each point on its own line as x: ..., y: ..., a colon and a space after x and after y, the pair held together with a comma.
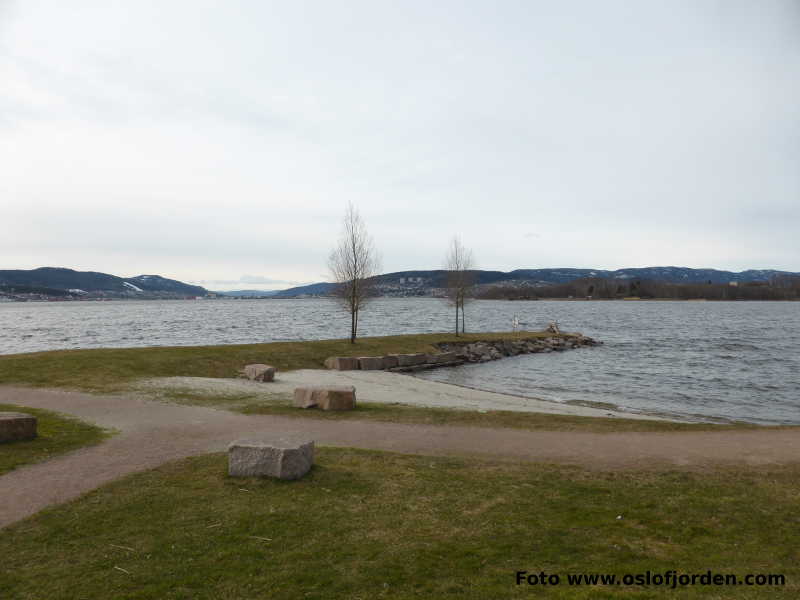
x: 270, y: 298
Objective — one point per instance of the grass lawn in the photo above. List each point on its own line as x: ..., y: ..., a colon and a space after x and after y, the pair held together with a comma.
x: 379, y: 525
x: 281, y: 404
x: 57, y: 434
x: 109, y: 369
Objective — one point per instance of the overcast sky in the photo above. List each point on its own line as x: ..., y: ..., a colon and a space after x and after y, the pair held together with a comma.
x: 219, y: 142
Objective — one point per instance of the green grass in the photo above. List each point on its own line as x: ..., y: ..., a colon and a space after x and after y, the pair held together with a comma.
x: 280, y: 404
x: 109, y: 369
x: 378, y: 525
x: 57, y: 434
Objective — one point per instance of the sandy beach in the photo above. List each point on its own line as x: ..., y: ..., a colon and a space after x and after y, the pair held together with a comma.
x: 388, y: 388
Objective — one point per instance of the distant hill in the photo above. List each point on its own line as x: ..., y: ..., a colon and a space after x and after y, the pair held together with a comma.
x: 565, y: 275
x: 428, y: 283
x: 401, y: 283
x: 92, y: 282
x: 313, y: 289
x: 156, y: 283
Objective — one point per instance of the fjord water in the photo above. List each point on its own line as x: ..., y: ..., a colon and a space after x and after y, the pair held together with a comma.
x: 698, y: 360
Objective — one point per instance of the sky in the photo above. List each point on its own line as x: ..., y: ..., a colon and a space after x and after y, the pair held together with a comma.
x: 220, y: 142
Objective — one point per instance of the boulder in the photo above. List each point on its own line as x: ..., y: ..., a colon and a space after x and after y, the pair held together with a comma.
x: 342, y: 363
x: 304, y: 397
x: 370, y: 363
x: 337, y: 398
x: 16, y: 427
x: 259, y: 372
x: 326, y: 397
x: 410, y: 360
x: 284, y: 457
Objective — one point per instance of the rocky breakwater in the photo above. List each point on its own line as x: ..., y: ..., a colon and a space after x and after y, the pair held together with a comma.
x: 484, y: 351
x: 457, y: 353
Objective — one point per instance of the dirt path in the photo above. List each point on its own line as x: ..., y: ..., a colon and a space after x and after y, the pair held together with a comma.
x: 152, y: 433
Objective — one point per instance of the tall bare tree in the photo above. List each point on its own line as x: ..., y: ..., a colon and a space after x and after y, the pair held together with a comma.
x: 352, y: 263
x: 459, y: 264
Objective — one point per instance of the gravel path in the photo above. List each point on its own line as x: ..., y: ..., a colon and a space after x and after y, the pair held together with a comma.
x: 152, y: 433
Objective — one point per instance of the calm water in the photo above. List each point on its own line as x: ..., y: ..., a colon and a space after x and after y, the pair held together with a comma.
x: 732, y: 360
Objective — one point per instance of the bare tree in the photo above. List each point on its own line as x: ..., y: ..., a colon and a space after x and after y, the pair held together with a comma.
x: 460, y: 265
x: 352, y: 264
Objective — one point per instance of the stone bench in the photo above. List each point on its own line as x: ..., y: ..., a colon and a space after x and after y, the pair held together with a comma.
x: 259, y: 372
x: 16, y: 427
x: 285, y: 457
x: 342, y: 397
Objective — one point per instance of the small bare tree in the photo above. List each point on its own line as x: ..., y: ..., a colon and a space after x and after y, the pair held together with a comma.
x: 352, y: 264
x: 460, y: 265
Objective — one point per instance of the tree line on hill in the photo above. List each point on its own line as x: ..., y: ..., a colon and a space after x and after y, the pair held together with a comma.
x: 777, y: 288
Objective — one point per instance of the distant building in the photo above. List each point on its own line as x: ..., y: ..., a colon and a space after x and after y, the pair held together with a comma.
x: 404, y: 280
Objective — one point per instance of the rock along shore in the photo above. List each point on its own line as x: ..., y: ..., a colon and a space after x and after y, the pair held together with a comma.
x: 458, y: 353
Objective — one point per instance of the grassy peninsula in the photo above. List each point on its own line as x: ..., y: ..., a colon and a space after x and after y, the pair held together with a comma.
x: 115, y: 370
x: 110, y: 369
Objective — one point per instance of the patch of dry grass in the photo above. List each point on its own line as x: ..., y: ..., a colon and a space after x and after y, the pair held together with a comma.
x: 379, y: 525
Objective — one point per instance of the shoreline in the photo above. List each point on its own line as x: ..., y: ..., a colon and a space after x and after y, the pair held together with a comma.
x: 115, y: 370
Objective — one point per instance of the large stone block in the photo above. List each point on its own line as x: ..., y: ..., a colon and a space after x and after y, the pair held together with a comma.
x: 338, y: 397
x: 410, y: 360
x: 370, y: 363
x: 285, y: 457
x: 305, y: 397
x: 16, y: 427
x: 390, y: 361
x: 342, y: 363
x: 259, y: 372
x: 441, y: 357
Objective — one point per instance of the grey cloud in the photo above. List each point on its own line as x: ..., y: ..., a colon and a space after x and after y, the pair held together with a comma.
x: 248, y: 279
x: 233, y: 145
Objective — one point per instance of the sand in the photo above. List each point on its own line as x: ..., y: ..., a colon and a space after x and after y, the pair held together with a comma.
x: 388, y: 388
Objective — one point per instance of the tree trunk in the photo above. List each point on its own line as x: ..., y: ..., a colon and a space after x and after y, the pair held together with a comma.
x: 352, y: 325
x: 463, y: 330
x: 456, y: 318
